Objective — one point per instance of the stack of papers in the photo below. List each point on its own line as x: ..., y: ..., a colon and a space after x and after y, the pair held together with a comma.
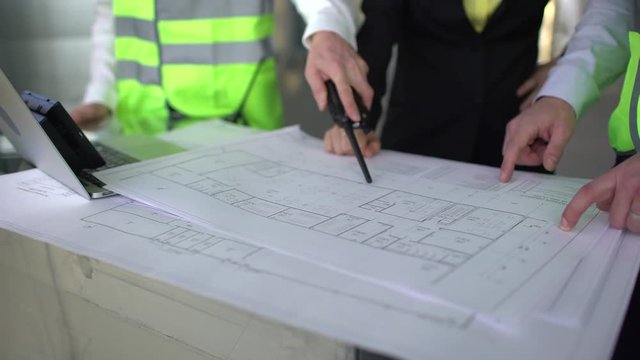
x: 432, y: 255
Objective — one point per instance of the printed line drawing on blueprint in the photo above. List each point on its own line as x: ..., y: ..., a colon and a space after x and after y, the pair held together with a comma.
x: 175, y: 236
x: 153, y: 243
x: 426, y: 227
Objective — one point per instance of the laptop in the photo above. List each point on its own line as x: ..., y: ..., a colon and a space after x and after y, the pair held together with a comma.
x: 44, y: 134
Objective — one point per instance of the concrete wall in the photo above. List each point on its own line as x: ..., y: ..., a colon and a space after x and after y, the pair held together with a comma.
x: 44, y: 45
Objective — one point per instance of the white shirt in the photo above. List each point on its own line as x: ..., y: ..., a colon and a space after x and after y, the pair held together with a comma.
x: 596, y: 55
x: 339, y: 16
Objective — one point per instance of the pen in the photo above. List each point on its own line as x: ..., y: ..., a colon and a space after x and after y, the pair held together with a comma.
x: 341, y: 119
x: 356, y: 149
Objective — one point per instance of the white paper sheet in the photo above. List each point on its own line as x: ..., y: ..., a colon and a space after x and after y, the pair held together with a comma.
x: 437, y: 231
x: 158, y: 245
x: 574, y: 304
x: 155, y: 244
x: 603, y: 324
x: 207, y: 133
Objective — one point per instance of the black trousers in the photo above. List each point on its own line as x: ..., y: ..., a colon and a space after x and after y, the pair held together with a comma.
x: 621, y: 158
x: 627, y: 346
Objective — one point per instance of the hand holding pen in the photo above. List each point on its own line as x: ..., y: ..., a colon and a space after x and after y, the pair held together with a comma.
x: 336, y: 142
x: 347, y: 136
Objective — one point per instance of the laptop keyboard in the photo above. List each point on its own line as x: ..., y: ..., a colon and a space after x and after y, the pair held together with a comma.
x: 112, y: 157
x: 88, y: 177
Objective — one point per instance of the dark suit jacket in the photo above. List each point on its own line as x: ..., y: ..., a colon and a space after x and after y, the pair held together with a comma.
x: 454, y: 89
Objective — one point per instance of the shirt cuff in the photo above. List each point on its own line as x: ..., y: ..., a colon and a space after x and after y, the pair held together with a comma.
x: 575, y: 86
x: 329, y: 20
x: 105, y: 95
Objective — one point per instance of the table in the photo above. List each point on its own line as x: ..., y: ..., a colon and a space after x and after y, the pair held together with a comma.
x: 55, y: 304
x: 59, y: 305
x: 55, y: 298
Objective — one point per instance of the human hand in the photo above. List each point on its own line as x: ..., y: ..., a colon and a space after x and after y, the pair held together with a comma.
x: 331, y: 57
x: 336, y: 142
x: 90, y: 116
x: 537, y: 136
x: 617, y: 191
x: 532, y: 85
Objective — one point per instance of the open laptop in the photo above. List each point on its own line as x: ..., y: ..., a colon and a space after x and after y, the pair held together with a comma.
x: 44, y: 134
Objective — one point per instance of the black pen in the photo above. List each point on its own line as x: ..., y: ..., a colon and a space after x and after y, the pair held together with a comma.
x: 342, y: 120
x: 356, y: 149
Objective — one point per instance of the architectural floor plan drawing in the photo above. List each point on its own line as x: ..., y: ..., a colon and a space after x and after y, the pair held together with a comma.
x: 350, y: 307
x: 436, y: 231
x: 156, y: 244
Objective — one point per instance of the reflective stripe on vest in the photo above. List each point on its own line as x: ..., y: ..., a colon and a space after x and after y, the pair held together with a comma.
x: 624, y: 134
x: 196, y: 57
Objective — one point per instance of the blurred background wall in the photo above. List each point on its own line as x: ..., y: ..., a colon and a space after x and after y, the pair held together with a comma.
x: 45, y: 44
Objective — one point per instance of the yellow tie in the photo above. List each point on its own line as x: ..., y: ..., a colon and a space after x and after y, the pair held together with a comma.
x: 479, y: 11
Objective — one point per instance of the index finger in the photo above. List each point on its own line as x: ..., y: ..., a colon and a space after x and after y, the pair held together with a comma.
x: 361, y: 85
x: 597, y: 190
x: 513, y: 146
x: 318, y: 88
x: 508, y: 165
x: 346, y: 96
x: 516, y: 139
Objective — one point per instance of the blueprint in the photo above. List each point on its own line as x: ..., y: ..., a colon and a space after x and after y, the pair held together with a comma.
x: 158, y: 245
x: 441, y: 233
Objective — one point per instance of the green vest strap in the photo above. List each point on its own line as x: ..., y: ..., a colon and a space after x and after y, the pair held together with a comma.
x: 132, y: 70
x: 217, y: 54
x: 623, y: 124
x: 138, y: 28
x: 208, y: 9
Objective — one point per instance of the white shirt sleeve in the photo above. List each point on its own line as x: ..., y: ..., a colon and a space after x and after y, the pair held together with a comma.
x: 340, y: 16
x: 596, y: 55
x: 101, y: 86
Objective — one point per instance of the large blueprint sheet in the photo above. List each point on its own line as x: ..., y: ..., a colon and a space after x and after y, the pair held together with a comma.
x: 156, y: 244
x: 447, y: 235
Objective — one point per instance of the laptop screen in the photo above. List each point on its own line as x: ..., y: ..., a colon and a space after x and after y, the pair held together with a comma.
x: 30, y: 140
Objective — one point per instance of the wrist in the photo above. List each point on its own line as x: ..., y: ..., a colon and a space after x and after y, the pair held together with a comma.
x: 322, y: 35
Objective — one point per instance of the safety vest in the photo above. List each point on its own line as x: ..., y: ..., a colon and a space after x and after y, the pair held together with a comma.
x: 180, y: 61
x: 624, y: 129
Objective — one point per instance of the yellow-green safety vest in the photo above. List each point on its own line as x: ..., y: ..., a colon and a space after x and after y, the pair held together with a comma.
x: 624, y: 132
x: 194, y: 60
